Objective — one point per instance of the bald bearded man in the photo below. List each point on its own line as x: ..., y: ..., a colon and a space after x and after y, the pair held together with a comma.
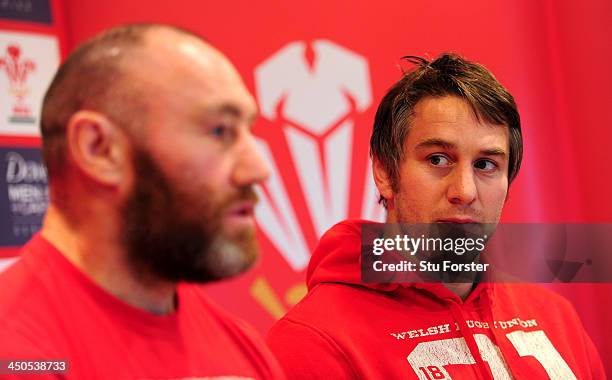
x: 147, y: 139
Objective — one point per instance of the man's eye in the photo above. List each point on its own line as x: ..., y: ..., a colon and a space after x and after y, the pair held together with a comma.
x: 220, y: 131
x: 485, y: 165
x: 224, y: 133
x: 439, y: 160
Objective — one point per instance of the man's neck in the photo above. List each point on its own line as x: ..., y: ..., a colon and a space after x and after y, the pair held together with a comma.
x: 98, y: 253
x: 462, y: 290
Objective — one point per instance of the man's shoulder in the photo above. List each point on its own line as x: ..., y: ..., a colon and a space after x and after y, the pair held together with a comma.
x: 20, y: 284
x: 330, y: 309
x: 230, y: 333
x: 23, y: 340
x: 24, y: 305
x: 23, y: 322
x: 308, y: 340
x: 25, y: 281
x: 339, y: 294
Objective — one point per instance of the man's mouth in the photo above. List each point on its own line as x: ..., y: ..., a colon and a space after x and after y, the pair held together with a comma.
x: 244, y: 208
x: 241, y: 214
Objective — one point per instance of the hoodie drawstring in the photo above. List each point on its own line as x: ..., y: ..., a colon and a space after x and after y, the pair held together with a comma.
x: 486, y: 304
x: 457, y: 312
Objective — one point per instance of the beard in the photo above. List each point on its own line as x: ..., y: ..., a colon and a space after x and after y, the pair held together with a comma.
x: 457, y: 233
x: 454, y: 231
x: 173, y: 234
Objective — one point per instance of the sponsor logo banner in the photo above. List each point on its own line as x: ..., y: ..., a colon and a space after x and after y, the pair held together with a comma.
x: 38, y: 11
x: 27, y: 65
x: 23, y: 194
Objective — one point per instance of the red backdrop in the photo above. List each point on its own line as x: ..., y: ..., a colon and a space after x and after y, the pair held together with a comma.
x: 554, y: 56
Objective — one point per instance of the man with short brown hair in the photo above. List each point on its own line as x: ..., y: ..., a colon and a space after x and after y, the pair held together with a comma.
x: 445, y: 146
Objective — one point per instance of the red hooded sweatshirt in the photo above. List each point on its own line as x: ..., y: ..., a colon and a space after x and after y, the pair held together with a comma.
x: 345, y: 329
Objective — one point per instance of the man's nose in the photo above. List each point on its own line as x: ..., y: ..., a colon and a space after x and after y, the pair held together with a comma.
x: 462, y: 186
x: 251, y: 165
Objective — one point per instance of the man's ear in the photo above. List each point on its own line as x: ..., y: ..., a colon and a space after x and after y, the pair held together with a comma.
x: 382, y: 180
x: 98, y: 147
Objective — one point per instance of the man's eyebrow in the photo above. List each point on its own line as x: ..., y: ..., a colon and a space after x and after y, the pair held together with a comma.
x: 493, y: 152
x: 232, y: 110
x: 439, y: 143
x: 433, y: 142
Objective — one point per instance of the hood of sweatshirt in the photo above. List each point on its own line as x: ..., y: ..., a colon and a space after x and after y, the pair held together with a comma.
x: 337, y: 259
x: 344, y: 328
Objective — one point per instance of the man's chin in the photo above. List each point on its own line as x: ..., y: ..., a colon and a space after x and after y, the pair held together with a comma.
x: 235, y: 227
x: 228, y: 258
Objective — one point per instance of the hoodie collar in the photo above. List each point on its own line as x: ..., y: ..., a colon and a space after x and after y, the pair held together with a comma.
x: 337, y: 259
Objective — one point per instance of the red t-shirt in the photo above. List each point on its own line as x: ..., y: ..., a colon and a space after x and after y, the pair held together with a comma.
x: 50, y: 310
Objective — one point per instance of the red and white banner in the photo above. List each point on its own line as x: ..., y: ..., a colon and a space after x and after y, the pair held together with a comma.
x: 318, y: 71
x: 31, y: 42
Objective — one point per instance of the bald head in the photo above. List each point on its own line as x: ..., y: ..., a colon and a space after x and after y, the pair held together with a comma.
x: 115, y: 74
x: 147, y: 135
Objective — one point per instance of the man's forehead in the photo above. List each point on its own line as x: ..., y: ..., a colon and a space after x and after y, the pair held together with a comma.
x: 176, y: 49
x: 491, y: 138
x: 181, y: 64
x: 243, y: 107
x: 445, y: 109
x: 450, y: 123
x: 453, y: 131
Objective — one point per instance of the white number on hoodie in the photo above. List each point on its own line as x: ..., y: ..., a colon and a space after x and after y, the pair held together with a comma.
x: 429, y: 358
x: 537, y: 344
